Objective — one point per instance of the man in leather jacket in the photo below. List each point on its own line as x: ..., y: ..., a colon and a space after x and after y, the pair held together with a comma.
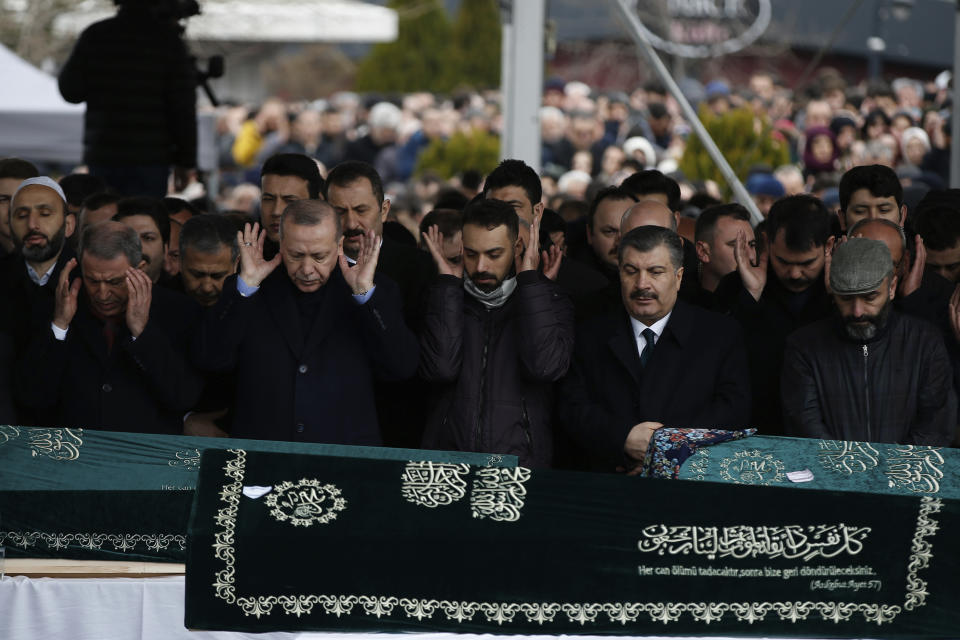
x: 870, y: 373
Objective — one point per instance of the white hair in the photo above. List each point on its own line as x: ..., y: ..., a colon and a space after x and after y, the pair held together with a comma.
x: 576, y: 88
x: 911, y: 133
x: 385, y: 115
x: 641, y: 144
x: 788, y: 171
x: 571, y: 177
x: 548, y: 112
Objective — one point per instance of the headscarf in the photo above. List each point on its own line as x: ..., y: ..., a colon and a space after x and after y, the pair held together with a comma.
x: 809, y: 162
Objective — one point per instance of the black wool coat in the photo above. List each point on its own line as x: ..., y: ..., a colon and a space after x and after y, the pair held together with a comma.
x: 312, y: 384
x: 697, y: 377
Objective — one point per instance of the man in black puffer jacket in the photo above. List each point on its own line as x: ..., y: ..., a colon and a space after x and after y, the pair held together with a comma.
x: 495, y: 342
x: 870, y: 374
x: 139, y: 83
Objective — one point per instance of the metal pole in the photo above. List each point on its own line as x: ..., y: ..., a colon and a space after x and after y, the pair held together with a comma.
x: 506, y: 76
x: 955, y: 109
x: 739, y: 192
x: 522, y: 81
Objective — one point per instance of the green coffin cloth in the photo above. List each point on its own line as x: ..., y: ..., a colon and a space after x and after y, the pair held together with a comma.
x: 845, y: 466
x: 86, y: 494
x: 287, y: 542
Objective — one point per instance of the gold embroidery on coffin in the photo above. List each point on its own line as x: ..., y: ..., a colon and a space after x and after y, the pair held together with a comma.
x: 433, y: 484
x: 188, y: 460
x: 56, y: 444
x: 545, y: 612
x: 848, y: 457
x: 499, y: 493
x: 123, y: 542
x: 699, y: 464
x: 752, y: 467
x: 8, y: 433
x: 914, y: 468
x: 305, y: 502
x: 803, y: 542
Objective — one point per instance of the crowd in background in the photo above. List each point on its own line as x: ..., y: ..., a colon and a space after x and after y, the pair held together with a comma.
x: 593, y: 138
x: 468, y: 342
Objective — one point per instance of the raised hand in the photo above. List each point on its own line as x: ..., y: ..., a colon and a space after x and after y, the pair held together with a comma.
x: 753, y: 276
x: 551, y: 262
x: 828, y: 249
x: 530, y: 259
x: 253, y: 268
x: 65, y: 304
x: 139, y: 294
x: 954, y: 313
x: 359, y: 277
x: 435, y: 244
x: 914, y: 277
x: 827, y: 261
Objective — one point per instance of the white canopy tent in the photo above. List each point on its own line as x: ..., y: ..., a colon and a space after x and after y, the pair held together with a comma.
x: 35, y: 122
x: 250, y: 33
x: 263, y: 21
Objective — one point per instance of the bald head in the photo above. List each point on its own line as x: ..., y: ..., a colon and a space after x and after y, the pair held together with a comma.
x: 887, y: 232
x: 648, y: 213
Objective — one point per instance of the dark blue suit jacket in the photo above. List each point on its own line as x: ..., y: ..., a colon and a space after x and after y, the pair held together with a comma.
x: 697, y: 377
x: 312, y: 385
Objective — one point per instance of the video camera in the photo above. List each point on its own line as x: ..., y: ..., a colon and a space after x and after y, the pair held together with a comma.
x: 174, y: 11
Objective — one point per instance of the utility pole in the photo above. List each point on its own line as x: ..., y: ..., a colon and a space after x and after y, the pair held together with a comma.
x: 521, y: 79
x: 629, y: 13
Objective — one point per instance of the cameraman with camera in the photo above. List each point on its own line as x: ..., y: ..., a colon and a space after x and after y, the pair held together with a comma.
x: 139, y: 82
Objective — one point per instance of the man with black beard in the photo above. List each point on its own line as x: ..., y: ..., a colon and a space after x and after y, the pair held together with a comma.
x: 39, y: 226
x: 355, y: 192
x: 36, y: 209
x: 495, y: 341
x: 870, y: 373
x: 776, y: 295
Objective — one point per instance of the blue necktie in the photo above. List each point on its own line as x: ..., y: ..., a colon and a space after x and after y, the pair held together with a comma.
x: 647, y: 352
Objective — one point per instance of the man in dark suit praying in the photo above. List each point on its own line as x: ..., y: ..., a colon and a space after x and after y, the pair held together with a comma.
x: 114, y: 355
x: 658, y: 361
x: 355, y: 192
x: 306, y: 340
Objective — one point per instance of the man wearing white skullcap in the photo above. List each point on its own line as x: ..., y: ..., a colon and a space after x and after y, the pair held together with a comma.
x: 39, y: 227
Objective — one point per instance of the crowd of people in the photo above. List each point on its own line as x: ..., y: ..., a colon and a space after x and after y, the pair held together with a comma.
x: 332, y: 292
x: 592, y: 139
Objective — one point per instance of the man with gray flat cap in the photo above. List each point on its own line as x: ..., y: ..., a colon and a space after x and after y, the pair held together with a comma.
x: 869, y: 373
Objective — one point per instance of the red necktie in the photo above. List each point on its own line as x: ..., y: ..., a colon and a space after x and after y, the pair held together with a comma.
x: 109, y: 333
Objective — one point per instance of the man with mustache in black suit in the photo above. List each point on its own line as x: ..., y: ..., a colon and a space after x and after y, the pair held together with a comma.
x: 656, y: 361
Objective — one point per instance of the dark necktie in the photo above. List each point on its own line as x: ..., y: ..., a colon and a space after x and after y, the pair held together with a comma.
x: 110, y: 333
x: 647, y: 352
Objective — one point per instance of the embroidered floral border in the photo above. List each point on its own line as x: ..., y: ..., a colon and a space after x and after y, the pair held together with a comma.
x: 123, y: 542
x: 544, y: 612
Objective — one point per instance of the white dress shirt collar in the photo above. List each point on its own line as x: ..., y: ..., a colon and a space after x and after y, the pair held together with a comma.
x: 40, y: 279
x: 657, y: 327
